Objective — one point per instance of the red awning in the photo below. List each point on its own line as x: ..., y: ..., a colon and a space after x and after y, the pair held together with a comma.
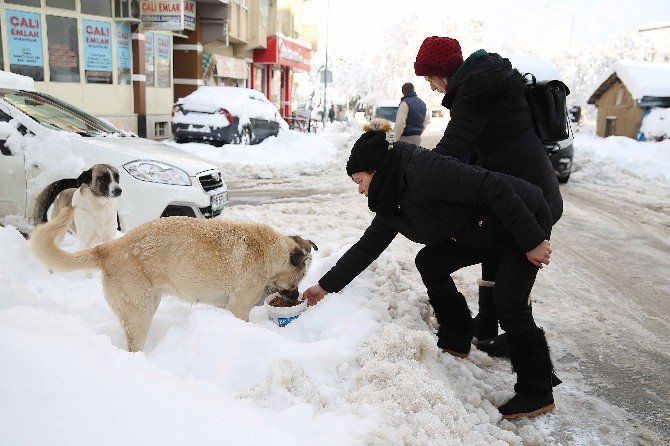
x: 282, y: 51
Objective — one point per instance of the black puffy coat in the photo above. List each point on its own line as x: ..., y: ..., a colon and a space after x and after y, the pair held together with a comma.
x: 430, y: 198
x: 490, y: 118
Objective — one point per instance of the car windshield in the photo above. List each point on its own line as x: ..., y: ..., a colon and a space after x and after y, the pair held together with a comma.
x: 56, y: 114
x: 387, y: 113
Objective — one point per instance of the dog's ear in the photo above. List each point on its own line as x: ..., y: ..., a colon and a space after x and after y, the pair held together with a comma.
x: 85, y: 178
x: 303, y: 243
x: 298, y: 257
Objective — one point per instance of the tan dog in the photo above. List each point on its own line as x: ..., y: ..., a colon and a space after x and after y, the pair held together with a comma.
x: 228, y: 264
x: 95, y: 205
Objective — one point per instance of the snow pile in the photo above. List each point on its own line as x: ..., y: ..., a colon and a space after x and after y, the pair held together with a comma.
x: 290, y: 153
x: 656, y: 125
x: 50, y: 151
x: 618, y: 159
x: 14, y: 81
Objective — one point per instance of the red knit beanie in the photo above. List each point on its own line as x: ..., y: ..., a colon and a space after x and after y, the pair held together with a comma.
x: 438, y: 56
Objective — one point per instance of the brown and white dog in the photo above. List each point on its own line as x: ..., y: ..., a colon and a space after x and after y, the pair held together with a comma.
x: 95, y: 204
x: 228, y: 264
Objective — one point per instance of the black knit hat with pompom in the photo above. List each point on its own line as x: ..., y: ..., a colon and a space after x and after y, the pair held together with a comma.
x: 369, y: 152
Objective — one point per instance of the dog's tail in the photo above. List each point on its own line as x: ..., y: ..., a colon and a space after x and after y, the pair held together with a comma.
x: 43, y: 245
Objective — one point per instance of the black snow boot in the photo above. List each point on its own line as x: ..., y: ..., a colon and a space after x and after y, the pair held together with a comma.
x: 486, y: 322
x: 495, y: 347
x: 531, y: 361
x: 455, y: 334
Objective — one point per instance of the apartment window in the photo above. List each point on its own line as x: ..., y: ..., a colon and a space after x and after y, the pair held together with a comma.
x: 24, y: 43
x: 160, y: 129
x: 619, y: 97
x: 63, y: 4
x: 63, y: 49
x: 610, y: 126
x: 24, y: 2
x: 97, y: 7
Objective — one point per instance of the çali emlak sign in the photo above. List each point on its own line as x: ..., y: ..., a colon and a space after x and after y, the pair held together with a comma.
x: 176, y: 15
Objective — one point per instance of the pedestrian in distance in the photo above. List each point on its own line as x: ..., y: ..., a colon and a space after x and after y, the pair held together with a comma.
x: 463, y: 215
x: 331, y: 113
x: 412, y: 118
x: 490, y: 126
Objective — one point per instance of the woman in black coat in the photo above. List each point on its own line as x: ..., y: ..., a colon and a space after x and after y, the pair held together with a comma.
x: 464, y: 215
x: 490, y: 126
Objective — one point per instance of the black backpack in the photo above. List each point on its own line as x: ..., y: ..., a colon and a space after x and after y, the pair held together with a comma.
x: 547, y: 101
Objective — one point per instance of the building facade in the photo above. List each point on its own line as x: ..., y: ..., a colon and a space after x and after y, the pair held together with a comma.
x: 128, y: 61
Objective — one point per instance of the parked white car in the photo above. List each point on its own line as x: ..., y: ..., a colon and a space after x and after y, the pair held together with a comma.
x: 46, y: 143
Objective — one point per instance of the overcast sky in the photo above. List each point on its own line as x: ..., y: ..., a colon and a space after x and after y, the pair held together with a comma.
x: 351, y: 22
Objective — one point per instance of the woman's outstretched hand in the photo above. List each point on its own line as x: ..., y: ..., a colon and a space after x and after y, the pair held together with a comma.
x: 314, y: 294
x: 540, y: 255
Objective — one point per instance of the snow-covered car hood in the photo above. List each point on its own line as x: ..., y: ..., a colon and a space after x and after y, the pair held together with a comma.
x: 145, y: 149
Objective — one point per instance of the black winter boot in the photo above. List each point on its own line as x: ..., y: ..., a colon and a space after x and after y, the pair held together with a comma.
x: 455, y: 334
x: 528, y: 404
x: 496, y: 347
x: 529, y: 354
x: 486, y: 322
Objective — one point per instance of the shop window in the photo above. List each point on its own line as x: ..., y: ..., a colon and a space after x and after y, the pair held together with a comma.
x: 149, y: 56
x: 163, y: 56
x: 97, y: 51
x: 35, y: 3
x: 63, y: 49
x: 63, y: 4
x: 160, y: 129
x: 24, y: 43
x: 123, y: 53
x: 97, y: 7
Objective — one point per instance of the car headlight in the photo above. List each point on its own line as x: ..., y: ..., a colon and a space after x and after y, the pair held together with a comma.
x: 157, y: 172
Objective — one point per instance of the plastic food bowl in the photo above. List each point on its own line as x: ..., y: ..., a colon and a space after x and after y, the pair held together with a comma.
x: 283, y: 315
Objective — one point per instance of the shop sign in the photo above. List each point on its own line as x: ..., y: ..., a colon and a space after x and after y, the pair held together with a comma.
x: 231, y: 67
x: 24, y: 38
x: 123, y: 45
x: 284, y: 52
x: 175, y: 15
x: 97, y: 51
x: 149, y: 57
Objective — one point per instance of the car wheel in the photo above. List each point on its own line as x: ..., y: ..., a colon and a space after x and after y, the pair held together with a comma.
x: 181, y: 140
x: 564, y: 179
x: 245, y: 136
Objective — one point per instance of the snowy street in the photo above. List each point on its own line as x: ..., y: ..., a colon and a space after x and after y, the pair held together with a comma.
x: 603, y: 300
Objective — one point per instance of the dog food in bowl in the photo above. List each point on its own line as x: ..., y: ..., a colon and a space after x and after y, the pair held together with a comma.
x: 282, y: 311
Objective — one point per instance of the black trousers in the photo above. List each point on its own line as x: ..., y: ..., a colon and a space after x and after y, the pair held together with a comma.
x: 515, y: 276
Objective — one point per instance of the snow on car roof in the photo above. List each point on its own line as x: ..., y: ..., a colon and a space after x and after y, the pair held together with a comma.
x: 388, y: 103
x: 239, y: 101
x: 15, y: 81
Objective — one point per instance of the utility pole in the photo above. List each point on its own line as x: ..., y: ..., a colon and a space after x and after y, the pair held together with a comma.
x: 325, y: 71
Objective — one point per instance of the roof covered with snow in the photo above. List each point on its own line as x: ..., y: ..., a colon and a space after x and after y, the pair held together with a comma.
x: 650, y: 79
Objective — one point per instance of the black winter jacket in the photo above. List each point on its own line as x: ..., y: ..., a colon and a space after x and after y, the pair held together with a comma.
x: 490, y: 118
x: 430, y: 198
